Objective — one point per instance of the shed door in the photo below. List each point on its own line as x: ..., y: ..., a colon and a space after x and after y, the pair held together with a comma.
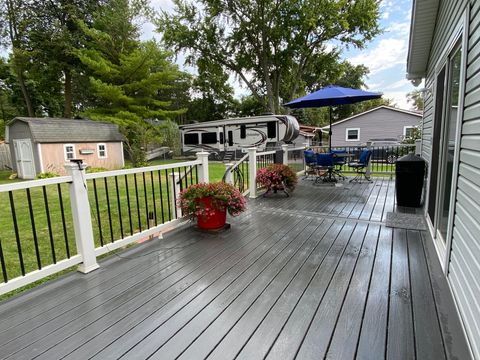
x: 24, y: 157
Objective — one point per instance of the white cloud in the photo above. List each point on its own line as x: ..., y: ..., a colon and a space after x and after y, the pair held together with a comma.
x: 387, y: 54
x: 399, y: 98
x: 385, y: 15
x: 399, y: 28
x: 398, y: 84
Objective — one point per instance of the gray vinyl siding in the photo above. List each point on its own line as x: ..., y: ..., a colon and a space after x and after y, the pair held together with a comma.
x: 21, y: 130
x: 464, y: 266
x: 464, y: 270
x: 377, y: 124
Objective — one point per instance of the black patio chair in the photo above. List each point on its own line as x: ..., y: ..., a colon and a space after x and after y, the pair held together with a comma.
x: 360, y: 166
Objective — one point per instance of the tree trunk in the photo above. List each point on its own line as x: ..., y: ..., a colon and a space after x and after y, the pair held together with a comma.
x: 68, y: 94
x: 26, y: 95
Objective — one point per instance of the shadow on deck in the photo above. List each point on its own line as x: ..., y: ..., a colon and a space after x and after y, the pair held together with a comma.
x: 317, y: 275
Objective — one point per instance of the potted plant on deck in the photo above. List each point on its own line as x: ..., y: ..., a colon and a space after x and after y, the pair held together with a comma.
x: 276, y: 177
x: 209, y: 204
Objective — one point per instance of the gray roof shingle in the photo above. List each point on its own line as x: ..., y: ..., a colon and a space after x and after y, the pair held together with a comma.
x: 55, y: 130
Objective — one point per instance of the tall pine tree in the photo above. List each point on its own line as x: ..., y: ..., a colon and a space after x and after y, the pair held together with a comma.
x: 127, y: 76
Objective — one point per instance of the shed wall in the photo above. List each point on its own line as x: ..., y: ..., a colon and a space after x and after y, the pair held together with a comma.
x: 20, y: 130
x: 379, y: 124
x: 53, y: 156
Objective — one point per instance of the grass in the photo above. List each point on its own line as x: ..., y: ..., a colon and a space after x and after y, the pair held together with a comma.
x: 106, y: 228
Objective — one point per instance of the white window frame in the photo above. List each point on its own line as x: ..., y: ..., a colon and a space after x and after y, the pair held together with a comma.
x: 405, y: 128
x: 65, y: 153
x: 105, y: 150
x: 358, y: 134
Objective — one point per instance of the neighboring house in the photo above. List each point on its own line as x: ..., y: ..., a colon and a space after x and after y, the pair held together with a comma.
x: 308, y: 135
x: 444, y: 50
x: 383, y: 122
x: 40, y: 145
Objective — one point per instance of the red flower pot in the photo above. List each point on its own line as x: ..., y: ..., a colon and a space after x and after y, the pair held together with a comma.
x: 211, y: 219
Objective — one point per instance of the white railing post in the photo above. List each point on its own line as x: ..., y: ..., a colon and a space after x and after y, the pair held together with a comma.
x: 252, y: 160
x: 285, y: 154
x: 203, y: 168
x: 82, y: 221
x: 418, y: 147
x: 175, y: 192
x: 367, y: 171
x: 228, y: 173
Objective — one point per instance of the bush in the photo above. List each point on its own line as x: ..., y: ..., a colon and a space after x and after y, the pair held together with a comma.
x: 96, y: 169
x: 223, y: 195
x: 276, y: 174
x: 47, y: 175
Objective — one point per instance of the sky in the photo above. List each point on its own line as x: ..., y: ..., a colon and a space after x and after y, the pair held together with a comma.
x: 385, y: 56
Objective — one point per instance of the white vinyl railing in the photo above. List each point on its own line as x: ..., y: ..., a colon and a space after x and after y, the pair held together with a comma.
x: 52, y: 224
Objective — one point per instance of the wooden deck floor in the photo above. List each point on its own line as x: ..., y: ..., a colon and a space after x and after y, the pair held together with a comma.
x: 317, y: 275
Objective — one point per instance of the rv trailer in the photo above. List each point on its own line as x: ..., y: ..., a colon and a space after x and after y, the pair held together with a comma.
x: 238, y: 134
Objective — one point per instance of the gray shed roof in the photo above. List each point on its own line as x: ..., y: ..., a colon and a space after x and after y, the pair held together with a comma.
x: 54, y: 130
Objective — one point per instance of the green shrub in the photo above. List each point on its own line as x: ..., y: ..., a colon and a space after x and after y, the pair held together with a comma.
x: 46, y: 175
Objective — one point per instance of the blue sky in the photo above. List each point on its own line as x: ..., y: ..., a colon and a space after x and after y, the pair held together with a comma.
x: 385, y: 56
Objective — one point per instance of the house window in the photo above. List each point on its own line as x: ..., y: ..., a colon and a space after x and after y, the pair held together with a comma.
x: 69, y: 151
x: 102, y: 151
x: 408, y: 131
x: 352, y: 134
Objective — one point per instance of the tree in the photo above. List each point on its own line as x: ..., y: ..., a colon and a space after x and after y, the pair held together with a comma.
x: 127, y: 76
x: 14, y: 25
x: 416, y: 99
x: 264, y: 42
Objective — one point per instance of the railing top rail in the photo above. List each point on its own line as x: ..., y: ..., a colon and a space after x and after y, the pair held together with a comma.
x: 35, y: 183
x: 296, y: 148
x: 245, y: 157
x: 266, y: 153
x: 141, y: 169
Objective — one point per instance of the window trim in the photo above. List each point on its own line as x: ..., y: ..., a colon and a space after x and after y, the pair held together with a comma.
x: 65, y: 151
x: 358, y: 134
x: 405, y: 128
x: 105, y: 150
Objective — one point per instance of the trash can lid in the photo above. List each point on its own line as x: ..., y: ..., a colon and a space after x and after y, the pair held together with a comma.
x: 410, y: 158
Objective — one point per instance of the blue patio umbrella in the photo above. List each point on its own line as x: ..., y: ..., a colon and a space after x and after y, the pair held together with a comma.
x: 332, y: 95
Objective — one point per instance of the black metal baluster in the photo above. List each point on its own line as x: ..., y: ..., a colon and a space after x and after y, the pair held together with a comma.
x: 99, y: 221
x: 49, y: 223
x: 64, y: 224
x: 120, y: 219
x: 180, y: 180
x: 129, y: 207
x: 196, y: 174
x: 107, y: 197
x: 17, y: 235
x: 168, y: 196
x: 161, y: 195
x: 147, y: 217
x: 2, y: 262
x: 153, y: 198
x: 138, y: 203
x: 191, y: 175
x: 185, y: 176
x: 34, y: 229
x: 175, y: 193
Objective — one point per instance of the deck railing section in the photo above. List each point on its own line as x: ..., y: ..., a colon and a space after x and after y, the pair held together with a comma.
x: 238, y: 174
x: 382, y: 160
x: 53, y: 224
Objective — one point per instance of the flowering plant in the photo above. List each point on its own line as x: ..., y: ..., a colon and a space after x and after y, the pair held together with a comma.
x: 223, y: 196
x: 275, y: 175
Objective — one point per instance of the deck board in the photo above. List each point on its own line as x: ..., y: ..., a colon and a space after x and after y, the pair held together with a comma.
x: 315, y: 275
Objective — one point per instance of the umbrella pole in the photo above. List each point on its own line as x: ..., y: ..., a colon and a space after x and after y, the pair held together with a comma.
x: 330, y: 132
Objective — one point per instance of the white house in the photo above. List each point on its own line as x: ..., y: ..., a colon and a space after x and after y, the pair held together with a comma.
x: 383, y: 122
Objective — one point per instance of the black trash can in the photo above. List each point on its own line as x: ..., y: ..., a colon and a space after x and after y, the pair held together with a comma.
x: 410, y: 173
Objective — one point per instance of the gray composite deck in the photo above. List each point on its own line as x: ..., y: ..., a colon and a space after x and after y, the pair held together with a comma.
x: 317, y: 275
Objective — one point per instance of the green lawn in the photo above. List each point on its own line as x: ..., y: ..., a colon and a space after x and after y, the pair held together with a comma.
x: 111, y: 226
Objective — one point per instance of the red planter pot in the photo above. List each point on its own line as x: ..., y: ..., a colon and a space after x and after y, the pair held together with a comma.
x: 216, y: 219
